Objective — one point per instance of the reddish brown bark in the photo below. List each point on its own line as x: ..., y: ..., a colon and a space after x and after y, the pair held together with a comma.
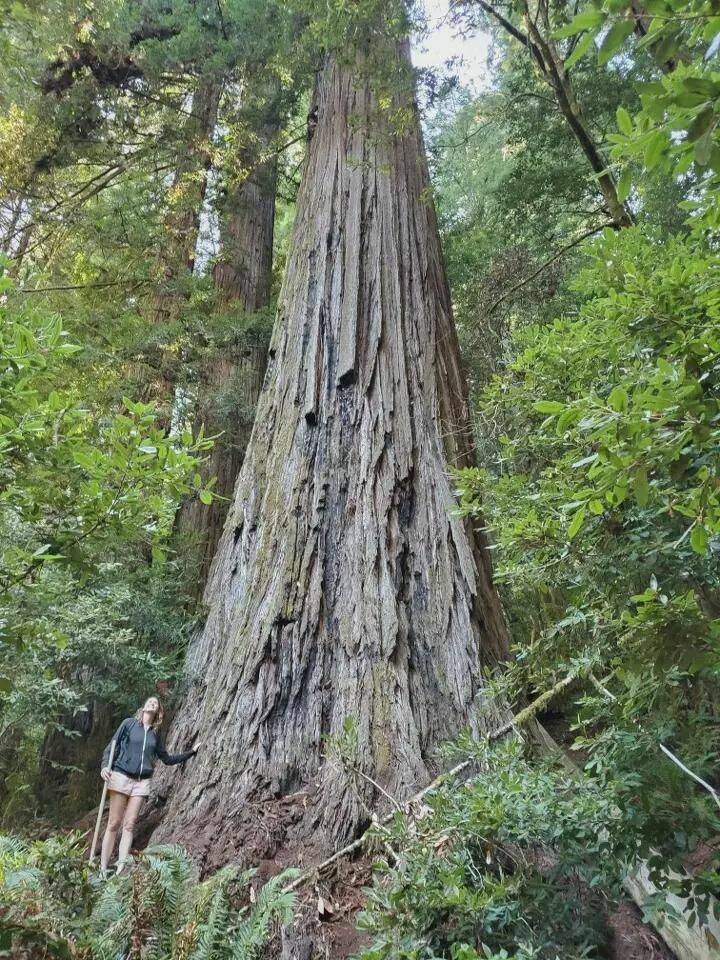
x: 157, y: 373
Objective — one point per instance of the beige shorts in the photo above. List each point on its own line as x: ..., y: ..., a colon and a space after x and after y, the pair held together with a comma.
x: 119, y: 783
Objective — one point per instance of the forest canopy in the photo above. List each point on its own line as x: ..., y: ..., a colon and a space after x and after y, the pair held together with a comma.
x: 360, y: 399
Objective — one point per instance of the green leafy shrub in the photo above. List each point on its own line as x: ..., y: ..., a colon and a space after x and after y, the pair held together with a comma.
x: 518, y: 862
x: 88, y: 495
x: 605, y: 508
x: 676, y: 129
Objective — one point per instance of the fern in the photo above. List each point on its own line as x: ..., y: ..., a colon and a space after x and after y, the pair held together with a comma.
x: 16, y: 869
x: 12, y: 849
x: 162, y: 896
x: 160, y: 911
x: 212, y: 912
x: 274, y: 904
x: 110, y: 924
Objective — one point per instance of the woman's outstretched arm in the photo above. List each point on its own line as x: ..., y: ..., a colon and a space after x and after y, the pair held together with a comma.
x: 172, y: 758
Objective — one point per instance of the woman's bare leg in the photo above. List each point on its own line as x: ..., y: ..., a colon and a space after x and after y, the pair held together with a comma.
x: 118, y: 802
x: 128, y: 829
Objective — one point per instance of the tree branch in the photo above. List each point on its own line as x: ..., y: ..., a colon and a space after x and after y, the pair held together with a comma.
x: 543, y: 266
x: 85, y: 286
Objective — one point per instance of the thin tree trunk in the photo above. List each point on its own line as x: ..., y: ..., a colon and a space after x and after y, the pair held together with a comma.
x: 10, y: 231
x: 550, y: 67
x: 344, y: 587
x: 157, y: 377
x: 242, y: 279
x: 556, y: 77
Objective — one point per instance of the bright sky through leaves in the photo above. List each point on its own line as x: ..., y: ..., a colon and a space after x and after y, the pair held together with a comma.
x: 444, y: 42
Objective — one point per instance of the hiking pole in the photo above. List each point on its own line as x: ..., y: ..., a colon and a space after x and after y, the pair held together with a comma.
x: 102, y: 805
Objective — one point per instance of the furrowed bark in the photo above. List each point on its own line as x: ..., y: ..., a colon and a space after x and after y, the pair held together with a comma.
x: 343, y: 586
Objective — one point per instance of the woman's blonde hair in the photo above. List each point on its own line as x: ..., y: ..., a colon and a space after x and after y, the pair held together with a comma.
x: 159, y: 716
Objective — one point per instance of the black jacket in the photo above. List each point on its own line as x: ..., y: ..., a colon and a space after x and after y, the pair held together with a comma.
x: 136, y: 749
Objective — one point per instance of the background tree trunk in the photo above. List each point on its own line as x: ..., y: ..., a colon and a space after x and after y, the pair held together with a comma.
x: 69, y: 766
x: 157, y: 377
x: 155, y: 380
x: 343, y: 586
x: 182, y: 223
x: 242, y: 279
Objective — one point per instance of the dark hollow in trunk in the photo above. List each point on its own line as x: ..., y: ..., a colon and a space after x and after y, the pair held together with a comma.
x: 343, y: 586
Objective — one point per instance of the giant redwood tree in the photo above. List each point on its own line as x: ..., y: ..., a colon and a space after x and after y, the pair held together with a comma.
x: 343, y: 586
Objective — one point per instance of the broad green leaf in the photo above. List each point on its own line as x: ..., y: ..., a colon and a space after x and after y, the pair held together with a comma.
x: 702, y: 86
x: 641, y: 488
x: 588, y: 19
x: 704, y: 147
x: 577, y: 522
x: 581, y: 48
x: 654, y: 149
x: 624, y: 121
x: 624, y: 185
x: 699, y: 539
x: 700, y: 124
x: 618, y: 398
x: 548, y: 406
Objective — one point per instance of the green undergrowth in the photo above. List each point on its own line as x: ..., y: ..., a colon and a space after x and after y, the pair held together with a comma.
x: 524, y: 860
x: 53, y: 904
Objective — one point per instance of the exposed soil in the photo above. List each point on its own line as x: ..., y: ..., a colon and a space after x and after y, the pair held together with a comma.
x: 258, y: 832
x: 631, y: 938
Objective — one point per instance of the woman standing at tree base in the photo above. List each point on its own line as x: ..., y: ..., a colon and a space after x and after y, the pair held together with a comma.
x: 137, y: 745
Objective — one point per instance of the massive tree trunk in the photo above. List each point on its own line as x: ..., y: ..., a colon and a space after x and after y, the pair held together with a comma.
x: 343, y: 586
x: 233, y: 371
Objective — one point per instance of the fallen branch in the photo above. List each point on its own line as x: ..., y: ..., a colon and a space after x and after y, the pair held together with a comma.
x: 668, y: 753
x: 521, y: 718
x: 711, y: 790
x: 138, y: 281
